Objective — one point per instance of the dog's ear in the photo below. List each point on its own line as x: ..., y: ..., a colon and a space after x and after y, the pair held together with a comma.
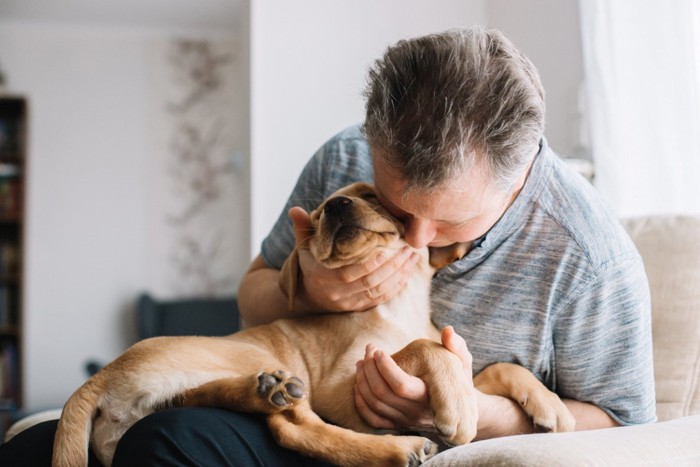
x: 442, y: 256
x: 290, y: 276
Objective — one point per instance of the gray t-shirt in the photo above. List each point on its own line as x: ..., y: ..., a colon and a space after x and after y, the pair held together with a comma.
x: 555, y: 285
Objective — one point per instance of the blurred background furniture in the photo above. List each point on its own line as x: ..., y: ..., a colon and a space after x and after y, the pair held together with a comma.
x: 197, y: 316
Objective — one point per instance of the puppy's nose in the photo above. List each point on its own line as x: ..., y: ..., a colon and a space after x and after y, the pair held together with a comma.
x: 337, y: 205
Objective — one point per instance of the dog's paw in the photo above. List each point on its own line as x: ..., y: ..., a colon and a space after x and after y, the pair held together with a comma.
x: 280, y: 389
x: 455, y: 420
x: 419, y: 450
x: 548, y: 413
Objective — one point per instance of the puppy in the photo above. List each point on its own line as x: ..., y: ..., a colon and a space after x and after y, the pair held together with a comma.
x: 301, y: 372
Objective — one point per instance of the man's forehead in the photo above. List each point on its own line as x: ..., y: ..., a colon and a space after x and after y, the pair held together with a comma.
x: 447, y: 204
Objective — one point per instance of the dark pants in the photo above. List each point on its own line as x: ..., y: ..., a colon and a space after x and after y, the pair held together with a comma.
x: 182, y: 437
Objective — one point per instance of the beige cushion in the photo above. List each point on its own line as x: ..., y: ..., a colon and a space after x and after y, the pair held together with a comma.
x: 670, y: 248
x: 674, y: 443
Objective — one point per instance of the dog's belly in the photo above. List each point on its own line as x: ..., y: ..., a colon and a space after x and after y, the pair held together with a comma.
x: 332, y: 356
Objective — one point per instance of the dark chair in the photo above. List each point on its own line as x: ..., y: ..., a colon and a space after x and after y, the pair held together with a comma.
x: 186, y: 317
x: 200, y: 316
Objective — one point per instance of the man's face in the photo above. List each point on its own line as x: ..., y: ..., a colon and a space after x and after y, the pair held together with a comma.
x: 462, y: 211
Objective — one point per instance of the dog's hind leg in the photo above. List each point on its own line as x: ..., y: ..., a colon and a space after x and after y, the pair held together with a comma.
x: 452, y: 395
x: 302, y: 430
x: 545, y: 408
x: 265, y: 392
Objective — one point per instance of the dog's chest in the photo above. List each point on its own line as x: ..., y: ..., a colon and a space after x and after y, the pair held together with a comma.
x: 408, y: 314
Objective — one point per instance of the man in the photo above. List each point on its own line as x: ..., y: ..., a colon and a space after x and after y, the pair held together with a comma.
x: 453, y: 140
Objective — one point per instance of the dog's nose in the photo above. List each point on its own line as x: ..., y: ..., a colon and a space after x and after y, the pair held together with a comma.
x: 337, y: 205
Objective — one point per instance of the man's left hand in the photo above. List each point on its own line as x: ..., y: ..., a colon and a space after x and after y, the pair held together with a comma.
x: 387, y: 397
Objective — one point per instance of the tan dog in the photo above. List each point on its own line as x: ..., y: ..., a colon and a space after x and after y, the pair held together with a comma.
x: 264, y: 369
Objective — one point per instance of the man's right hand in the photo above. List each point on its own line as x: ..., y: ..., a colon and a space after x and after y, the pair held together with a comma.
x: 349, y: 288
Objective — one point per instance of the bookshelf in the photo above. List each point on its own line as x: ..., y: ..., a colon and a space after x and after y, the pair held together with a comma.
x: 13, y: 138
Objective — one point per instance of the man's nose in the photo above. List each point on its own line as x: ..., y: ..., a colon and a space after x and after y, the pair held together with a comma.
x: 419, y: 232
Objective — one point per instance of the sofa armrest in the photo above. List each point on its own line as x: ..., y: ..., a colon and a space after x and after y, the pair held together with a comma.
x: 673, y: 442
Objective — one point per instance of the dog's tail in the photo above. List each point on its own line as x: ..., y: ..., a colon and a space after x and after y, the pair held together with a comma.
x: 70, y: 448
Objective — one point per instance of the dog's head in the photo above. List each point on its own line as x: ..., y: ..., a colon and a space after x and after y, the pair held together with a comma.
x: 350, y: 226
x: 347, y: 228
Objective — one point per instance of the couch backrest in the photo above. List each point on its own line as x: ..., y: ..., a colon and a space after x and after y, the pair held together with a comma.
x: 670, y: 248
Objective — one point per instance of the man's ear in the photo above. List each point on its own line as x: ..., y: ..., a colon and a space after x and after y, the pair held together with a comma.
x: 290, y: 276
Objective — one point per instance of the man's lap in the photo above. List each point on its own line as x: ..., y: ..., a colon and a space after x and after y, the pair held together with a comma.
x: 187, y: 436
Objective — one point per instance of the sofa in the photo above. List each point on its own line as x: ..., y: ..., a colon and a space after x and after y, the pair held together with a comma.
x: 670, y: 248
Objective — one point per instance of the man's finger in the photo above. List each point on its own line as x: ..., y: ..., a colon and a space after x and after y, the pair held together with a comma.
x: 302, y: 226
x: 375, y: 270
x: 457, y: 345
x: 372, y: 418
x: 401, y: 383
x: 366, y: 371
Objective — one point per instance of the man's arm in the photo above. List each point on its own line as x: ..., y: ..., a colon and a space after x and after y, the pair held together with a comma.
x: 386, y: 397
x: 260, y: 298
x: 500, y: 416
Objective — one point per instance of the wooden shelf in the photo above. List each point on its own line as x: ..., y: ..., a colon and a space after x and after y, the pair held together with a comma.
x: 13, y: 144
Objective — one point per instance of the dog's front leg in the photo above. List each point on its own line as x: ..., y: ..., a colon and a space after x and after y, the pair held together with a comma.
x: 302, y: 430
x: 452, y: 395
x: 265, y: 392
x: 545, y: 408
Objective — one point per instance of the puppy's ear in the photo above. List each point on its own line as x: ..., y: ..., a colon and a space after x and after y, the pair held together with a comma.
x: 290, y: 276
x: 442, y: 256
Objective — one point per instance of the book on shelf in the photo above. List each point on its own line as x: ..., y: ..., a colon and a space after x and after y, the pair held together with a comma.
x: 9, y: 371
x: 8, y: 305
x: 10, y: 192
x: 9, y: 170
x: 10, y: 136
x: 9, y: 260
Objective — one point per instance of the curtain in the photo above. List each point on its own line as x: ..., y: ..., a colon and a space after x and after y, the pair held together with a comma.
x: 642, y: 79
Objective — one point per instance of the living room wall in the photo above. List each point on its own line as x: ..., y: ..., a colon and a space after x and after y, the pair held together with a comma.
x: 105, y: 199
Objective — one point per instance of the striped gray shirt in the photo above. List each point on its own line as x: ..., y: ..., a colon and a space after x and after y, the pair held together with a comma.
x: 555, y: 286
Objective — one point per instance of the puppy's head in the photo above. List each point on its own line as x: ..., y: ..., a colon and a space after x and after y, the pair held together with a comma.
x: 350, y: 226
x: 347, y: 228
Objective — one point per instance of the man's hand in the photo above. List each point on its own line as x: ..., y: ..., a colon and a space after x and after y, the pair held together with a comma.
x: 387, y: 397
x: 349, y: 288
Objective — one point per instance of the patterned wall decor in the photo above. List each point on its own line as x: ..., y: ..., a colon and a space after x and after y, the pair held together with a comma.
x: 200, y: 161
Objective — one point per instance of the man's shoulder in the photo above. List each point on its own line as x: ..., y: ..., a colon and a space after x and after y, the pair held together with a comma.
x: 345, y: 158
x: 584, y: 217
x: 351, y: 140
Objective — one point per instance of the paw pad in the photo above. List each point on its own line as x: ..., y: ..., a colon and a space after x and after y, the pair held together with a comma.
x: 280, y: 389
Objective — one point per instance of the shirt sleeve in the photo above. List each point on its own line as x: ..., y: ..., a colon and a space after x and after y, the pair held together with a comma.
x: 603, y: 343
x: 308, y: 194
x: 344, y: 159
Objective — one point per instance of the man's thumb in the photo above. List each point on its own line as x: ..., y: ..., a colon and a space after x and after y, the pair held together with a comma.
x: 302, y: 226
x: 457, y: 345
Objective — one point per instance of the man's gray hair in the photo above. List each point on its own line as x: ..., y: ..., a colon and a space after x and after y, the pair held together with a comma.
x: 438, y: 103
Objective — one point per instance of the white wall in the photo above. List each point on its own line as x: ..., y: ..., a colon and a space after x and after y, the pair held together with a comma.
x: 91, y: 184
x: 309, y: 60
x: 548, y: 32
